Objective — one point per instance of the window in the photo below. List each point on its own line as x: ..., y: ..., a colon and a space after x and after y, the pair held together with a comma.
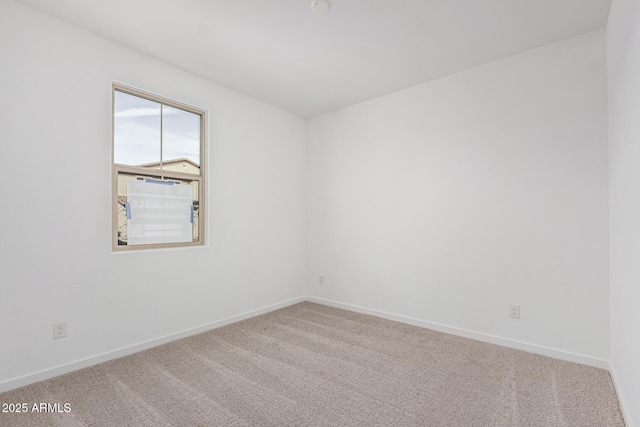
x: 158, y: 171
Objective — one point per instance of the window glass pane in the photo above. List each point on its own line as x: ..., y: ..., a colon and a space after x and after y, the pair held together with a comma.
x: 180, y: 140
x: 158, y: 203
x: 122, y: 200
x: 123, y: 177
x: 136, y: 130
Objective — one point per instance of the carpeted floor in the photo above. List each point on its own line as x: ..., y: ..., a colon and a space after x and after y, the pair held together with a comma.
x: 312, y: 365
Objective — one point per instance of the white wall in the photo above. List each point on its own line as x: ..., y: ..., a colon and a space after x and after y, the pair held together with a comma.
x: 445, y: 202
x: 449, y: 201
x: 55, y: 253
x: 623, y: 58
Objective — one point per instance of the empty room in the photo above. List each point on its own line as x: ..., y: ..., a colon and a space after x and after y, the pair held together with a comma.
x: 320, y: 213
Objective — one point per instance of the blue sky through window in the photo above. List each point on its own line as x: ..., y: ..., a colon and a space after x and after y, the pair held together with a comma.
x: 137, y: 128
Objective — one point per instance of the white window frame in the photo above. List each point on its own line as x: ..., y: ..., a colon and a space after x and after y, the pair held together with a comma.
x: 161, y: 174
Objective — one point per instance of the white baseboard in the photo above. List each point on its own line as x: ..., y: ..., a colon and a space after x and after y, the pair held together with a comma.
x: 45, y: 374
x: 621, y: 399
x: 479, y: 336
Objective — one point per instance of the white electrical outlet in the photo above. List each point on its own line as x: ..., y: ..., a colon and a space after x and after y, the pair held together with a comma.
x: 514, y: 311
x: 321, y: 280
x: 59, y: 330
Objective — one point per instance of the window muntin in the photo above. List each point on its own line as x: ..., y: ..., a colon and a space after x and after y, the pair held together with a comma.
x: 155, y: 140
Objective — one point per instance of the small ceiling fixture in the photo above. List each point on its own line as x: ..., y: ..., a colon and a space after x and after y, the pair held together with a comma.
x: 320, y: 6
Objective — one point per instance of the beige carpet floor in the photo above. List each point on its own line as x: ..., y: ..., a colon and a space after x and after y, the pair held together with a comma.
x: 312, y: 365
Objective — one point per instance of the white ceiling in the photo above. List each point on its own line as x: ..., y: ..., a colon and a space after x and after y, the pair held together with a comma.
x: 281, y: 52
